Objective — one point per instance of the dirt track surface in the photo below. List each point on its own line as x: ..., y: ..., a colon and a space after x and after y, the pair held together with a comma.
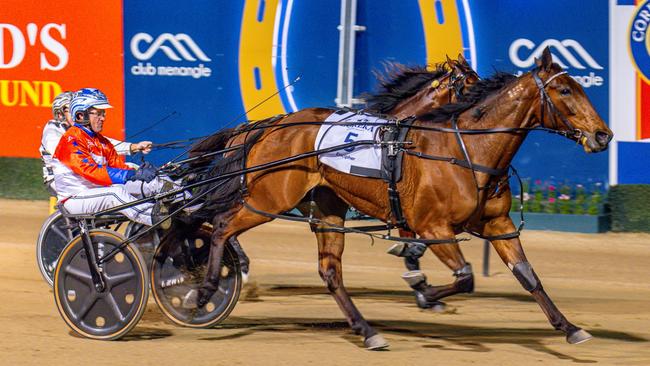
x: 286, y: 317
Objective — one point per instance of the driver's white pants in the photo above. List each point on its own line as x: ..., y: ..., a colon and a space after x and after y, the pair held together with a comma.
x: 99, y: 199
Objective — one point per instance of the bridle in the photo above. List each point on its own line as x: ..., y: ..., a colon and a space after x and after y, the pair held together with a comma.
x: 546, y: 103
x: 456, y: 84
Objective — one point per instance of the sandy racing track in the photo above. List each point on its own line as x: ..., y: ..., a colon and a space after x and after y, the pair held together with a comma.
x: 285, y: 317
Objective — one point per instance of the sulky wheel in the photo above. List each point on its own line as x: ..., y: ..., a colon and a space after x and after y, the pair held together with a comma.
x: 178, y: 270
x: 113, y: 312
x: 146, y: 244
x: 53, y: 237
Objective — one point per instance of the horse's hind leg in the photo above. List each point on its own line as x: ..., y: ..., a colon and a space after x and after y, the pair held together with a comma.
x: 226, y: 226
x: 244, y: 261
x: 513, y: 256
x: 330, y: 249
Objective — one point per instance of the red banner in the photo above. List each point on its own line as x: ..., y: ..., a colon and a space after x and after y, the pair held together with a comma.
x: 48, y: 47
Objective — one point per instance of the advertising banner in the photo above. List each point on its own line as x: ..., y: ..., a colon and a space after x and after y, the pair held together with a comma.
x: 181, y: 64
x: 49, y: 47
x: 510, y: 34
x: 630, y: 96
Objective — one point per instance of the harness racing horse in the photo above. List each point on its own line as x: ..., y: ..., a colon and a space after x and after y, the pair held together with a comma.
x: 405, y: 91
x: 411, y: 92
x: 439, y: 199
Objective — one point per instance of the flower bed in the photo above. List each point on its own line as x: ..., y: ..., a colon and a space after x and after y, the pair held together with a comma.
x: 565, y: 199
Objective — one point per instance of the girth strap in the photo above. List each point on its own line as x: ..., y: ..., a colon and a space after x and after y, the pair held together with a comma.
x: 393, y: 138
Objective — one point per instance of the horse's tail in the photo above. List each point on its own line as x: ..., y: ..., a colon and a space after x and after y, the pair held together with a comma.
x: 228, y: 192
x: 214, y: 142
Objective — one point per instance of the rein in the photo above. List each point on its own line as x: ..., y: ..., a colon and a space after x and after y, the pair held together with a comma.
x: 546, y: 103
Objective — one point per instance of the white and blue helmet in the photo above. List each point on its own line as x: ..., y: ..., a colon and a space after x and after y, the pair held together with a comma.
x: 87, y: 98
x: 59, y: 103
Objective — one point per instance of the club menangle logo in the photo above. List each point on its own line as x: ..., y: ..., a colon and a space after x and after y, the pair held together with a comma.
x: 177, y: 47
x: 568, y: 53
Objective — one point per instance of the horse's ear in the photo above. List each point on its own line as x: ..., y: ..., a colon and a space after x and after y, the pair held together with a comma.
x: 450, y: 62
x: 547, y: 59
x: 462, y: 60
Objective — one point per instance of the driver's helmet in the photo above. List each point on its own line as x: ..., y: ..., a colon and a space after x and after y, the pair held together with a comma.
x: 85, y: 99
x: 59, y: 104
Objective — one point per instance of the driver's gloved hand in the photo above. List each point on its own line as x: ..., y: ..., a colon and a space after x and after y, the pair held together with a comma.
x: 147, y: 172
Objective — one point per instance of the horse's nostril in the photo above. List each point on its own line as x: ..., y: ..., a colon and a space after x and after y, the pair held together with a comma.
x: 603, y: 137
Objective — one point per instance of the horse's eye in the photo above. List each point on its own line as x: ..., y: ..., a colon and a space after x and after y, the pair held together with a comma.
x: 565, y: 91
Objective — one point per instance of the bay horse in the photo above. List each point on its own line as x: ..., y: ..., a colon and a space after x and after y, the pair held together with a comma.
x: 439, y: 199
x: 404, y: 91
x: 410, y: 92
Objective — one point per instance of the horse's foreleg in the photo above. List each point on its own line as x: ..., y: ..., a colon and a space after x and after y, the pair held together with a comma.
x: 427, y: 296
x: 513, y: 256
x: 452, y: 257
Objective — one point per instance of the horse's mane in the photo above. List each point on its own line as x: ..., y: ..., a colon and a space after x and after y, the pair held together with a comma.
x: 475, y: 94
x: 399, y: 82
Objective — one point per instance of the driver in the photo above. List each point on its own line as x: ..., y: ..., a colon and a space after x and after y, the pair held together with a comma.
x: 56, y: 127
x: 88, y: 173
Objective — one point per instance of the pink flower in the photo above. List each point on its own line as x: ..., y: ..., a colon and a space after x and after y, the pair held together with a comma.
x: 538, y: 182
x: 551, y: 188
x: 551, y: 200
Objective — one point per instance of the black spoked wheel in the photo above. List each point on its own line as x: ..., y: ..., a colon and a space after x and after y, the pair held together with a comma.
x: 178, y: 271
x: 109, y: 314
x: 53, y: 237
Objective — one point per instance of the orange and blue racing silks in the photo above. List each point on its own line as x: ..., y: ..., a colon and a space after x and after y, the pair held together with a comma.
x: 84, y: 160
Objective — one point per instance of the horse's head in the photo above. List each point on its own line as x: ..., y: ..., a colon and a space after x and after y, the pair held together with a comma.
x: 460, y: 77
x: 565, y: 107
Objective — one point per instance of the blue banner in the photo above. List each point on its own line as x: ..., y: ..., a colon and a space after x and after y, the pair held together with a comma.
x: 511, y: 33
x: 181, y: 65
x: 202, y: 63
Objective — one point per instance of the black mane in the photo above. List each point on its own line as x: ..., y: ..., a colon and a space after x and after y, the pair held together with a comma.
x: 476, y: 93
x: 401, y: 82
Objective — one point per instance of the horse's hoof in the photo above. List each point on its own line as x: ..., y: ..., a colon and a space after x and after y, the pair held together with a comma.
x: 579, y: 336
x: 190, y: 300
x: 375, y: 343
x: 420, y: 300
x: 439, y: 307
x: 423, y: 303
x: 244, y: 277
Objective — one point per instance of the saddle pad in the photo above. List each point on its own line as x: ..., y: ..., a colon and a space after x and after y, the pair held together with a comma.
x: 364, y: 160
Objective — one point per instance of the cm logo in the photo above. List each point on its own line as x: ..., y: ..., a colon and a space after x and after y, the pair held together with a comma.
x: 563, y: 48
x: 177, y: 47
